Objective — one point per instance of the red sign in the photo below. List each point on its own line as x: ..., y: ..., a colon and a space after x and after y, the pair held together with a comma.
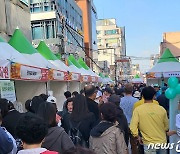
x: 4, y: 69
x: 24, y: 72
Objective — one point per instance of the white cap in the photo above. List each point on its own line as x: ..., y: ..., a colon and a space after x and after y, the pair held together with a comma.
x: 99, y: 94
x: 51, y: 99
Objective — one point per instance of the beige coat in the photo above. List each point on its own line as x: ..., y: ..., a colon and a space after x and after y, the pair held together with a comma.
x: 110, y: 142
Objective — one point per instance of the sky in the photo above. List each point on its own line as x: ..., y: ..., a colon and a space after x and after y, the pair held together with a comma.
x: 145, y: 22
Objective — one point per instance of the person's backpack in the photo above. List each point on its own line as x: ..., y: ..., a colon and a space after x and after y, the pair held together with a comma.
x: 76, y: 135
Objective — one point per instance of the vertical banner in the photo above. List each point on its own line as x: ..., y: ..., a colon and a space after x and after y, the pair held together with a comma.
x: 7, y: 90
x: 4, y: 69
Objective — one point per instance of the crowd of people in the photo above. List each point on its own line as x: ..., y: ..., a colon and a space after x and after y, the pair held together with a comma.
x: 118, y: 119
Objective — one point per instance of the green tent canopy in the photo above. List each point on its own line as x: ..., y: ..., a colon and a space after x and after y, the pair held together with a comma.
x: 21, y: 43
x: 58, y: 55
x: 136, y: 76
x: 2, y: 40
x: 44, y: 50
x: 167, y: 57
x: 101, y: 75
x: 83, y: 64
x: 72, y: 60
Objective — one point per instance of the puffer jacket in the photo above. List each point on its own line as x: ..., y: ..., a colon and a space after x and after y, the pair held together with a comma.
x: 107, y: 138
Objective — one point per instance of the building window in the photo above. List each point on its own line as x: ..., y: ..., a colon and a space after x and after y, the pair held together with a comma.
x: 111, y: 32
x: 43, y: 30
x: 37, y: 32
x: 41, y: 6
x: 98, y: 32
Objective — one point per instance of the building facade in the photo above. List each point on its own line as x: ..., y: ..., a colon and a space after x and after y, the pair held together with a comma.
x: 14, y: 14
x: 171, y: 40
x: 89, y: 22
x: 135, y: 69
x: 62, y: 31
x: 111, y: 44
x: 154, y: 59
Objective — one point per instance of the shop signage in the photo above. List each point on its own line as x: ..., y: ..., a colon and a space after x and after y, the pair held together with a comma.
x: 7, y: 90
x: 4, y: 69
x: 75, y: 77
x: 58, y: 75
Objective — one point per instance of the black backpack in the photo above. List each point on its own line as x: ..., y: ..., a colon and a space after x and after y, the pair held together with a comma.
x: 76, y: 135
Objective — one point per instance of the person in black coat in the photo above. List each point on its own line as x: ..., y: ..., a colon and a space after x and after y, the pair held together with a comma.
x: 163, y: 101
x: 11, y: 119
x: 121, y: 118
x: 66, y: 116
x: 82, y: 117
x: 90, y: 93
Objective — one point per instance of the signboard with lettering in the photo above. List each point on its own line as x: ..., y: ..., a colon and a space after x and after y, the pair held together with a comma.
x: 58, y: 75
x: 24, y: 72
x: 4, y: 69
x: 75, y: 77
x: 26, y: 2
x: 7, y: 90
x: 85, y: 78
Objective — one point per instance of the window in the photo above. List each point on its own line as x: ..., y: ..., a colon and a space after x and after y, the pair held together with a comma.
x: 43, y: 30
x: 37, y: 32
x: 98, y: 32
x: 111, y: 32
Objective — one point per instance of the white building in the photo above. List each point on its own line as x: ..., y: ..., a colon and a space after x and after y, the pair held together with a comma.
x: 111, y: 43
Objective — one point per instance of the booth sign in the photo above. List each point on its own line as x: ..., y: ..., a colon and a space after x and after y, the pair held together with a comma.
x: 24, y: 72
x: 4, y: 69
x: 7, y: 90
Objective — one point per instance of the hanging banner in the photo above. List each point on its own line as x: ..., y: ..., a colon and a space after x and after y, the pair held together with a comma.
x: 94, y: 79
x: 85, y: 78
x: 24, y: 72
x: 4, y: 69
x: 160, y: 75
x: 7, y: 90
x: 73, y: 77
x: 58, y: 75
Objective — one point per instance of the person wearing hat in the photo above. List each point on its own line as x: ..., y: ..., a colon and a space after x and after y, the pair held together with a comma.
x: 157, y: 89
x: 137, y: 94
x: 99, y: 99
x: 121, y: 118
x: 163, y: 101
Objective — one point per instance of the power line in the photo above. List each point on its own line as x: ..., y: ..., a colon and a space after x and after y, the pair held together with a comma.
x: 59, y: 17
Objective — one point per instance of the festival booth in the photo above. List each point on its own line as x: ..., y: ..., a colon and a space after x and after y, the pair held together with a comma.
x: 60, y: 79
x: 94, y: 76
x: 85, y: 75
x: 167, y: 66
x: 30, y: 80
x: 137, y: 79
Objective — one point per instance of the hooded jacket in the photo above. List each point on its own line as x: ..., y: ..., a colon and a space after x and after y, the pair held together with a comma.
x: 107, y: 138
x: 57, y: 140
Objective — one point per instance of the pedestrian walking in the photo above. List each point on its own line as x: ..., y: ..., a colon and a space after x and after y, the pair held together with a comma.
x: 91, y: 92
x: 152, y: 122
x: 107, y: 137
x: 56, y: 139
x: 82, y: 120
x: 32, y: 130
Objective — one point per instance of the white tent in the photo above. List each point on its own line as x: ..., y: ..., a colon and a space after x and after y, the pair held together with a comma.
x: 166, y: 67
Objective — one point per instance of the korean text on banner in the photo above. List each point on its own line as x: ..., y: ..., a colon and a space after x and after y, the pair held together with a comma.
x: 7, y: 90
x: 4, y: 69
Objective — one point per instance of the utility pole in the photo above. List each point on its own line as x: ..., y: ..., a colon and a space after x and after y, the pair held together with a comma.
x: 63, y: 51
